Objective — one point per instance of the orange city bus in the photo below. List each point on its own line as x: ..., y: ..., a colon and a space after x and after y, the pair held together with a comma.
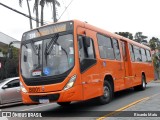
x: 75, y: 61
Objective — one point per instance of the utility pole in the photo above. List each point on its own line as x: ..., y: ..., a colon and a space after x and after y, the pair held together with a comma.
x: 54, y: 11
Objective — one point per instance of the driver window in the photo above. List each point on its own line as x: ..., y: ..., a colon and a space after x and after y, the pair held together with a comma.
x: 85, y: 52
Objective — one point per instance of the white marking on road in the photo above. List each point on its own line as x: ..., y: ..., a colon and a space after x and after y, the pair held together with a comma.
x: 36, y: 107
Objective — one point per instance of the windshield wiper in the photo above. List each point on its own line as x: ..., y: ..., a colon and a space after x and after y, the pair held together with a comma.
x: 50, y: 46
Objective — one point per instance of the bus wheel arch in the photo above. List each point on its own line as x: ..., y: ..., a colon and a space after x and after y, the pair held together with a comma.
x: 142, y: 86
x: 108, y: 87
x: 143, y: 74
x: 109, y: 78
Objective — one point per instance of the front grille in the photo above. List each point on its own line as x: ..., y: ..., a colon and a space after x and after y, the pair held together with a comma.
x: 51, y: 97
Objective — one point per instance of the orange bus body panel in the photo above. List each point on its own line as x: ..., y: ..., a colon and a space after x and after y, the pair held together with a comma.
x: 89, y: 84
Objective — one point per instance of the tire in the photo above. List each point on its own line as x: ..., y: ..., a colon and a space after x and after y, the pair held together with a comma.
x: 64, y: 103
x: 143, y: 84
x: 107, y: 95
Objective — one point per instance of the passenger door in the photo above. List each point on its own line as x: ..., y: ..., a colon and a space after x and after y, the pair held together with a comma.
x: 89, y: 66
x: 127, y: 65
x: 12, y: 92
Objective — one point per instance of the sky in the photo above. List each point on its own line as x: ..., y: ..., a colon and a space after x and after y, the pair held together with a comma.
x: 112, y: 15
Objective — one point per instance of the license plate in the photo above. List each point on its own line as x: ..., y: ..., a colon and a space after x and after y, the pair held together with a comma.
x: 43, y: 100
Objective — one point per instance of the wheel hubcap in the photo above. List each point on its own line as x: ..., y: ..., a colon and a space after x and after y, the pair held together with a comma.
x: 144, y: 84
x: 106, y: 92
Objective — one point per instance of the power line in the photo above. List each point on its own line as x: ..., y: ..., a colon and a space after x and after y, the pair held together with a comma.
x: 65, y: 10
x: 19, y: 12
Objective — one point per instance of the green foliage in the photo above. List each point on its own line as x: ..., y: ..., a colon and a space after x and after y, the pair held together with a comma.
x: 9, y: 66
x: 139, y: 37
x: 154, y: 43
x: 156, y: 62
x: 125, y: 34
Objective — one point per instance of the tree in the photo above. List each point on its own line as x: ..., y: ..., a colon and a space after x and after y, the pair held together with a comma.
x: 30, y: 20
x: 54, y: 3
x: 9, y: 66
x: 54, y: 12
x: 42, y: 3
x: 125, y: 34
x: 139, y: 37
x: 35, y: 8
x: 154, y: 43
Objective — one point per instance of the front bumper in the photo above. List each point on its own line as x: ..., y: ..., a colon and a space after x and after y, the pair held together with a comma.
x: 72, y: 94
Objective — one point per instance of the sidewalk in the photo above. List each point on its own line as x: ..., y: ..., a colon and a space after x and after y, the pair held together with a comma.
x: 156, y: 81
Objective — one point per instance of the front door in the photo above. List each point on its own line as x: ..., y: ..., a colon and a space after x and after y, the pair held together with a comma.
x: 92, y: 85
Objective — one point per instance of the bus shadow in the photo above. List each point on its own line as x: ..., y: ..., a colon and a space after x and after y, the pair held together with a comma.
x: 86, y: 108
x: 127, y: 92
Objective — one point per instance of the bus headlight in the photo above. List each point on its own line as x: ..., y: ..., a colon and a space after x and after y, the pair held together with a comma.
x: 23, y: 88
x: 70, y: 82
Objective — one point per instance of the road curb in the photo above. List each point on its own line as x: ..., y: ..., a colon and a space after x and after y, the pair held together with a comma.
x: 156, y: 81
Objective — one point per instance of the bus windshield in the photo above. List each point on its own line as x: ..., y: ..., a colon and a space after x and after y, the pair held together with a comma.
x: 47, y: 57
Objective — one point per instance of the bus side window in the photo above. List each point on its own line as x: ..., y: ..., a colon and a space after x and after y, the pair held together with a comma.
x: 116, y: 49
x: 137, y: 54
x: 132, y: 52
x: 148, y: 56
x: 105, y: 47
x: 86, y: 53
x: 123, y: 45
x: 143, y: 53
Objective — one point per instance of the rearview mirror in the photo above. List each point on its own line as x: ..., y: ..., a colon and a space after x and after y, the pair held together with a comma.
x: 86, y: 41
x: 80, y: 40
x: 10, y: 53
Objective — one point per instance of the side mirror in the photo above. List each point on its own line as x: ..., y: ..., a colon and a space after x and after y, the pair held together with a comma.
x: 86, y: 41
x: 10, y: 53
x: 5, y: 86
x: 25, y: 56
x: 80, y: 42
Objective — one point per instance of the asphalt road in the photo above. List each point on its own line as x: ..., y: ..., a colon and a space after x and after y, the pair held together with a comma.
x: 88, y: 109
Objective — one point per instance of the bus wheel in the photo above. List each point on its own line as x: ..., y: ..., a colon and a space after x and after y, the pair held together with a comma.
x: 64, y: 103
x: 143, y: 84
x: 107, y: 94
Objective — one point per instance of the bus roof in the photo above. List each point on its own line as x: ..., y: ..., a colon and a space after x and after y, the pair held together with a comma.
x: 99, y: 30
x: 109, y: 34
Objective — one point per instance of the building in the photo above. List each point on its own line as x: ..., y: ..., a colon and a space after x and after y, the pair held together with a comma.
x: 8, y: 67
x: 5, y: 41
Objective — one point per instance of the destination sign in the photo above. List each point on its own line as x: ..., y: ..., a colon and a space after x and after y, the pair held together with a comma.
x: 47, y: 30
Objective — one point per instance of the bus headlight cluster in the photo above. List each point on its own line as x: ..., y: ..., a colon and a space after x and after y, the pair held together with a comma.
x: 70, y: 82
x: 23, y: 88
